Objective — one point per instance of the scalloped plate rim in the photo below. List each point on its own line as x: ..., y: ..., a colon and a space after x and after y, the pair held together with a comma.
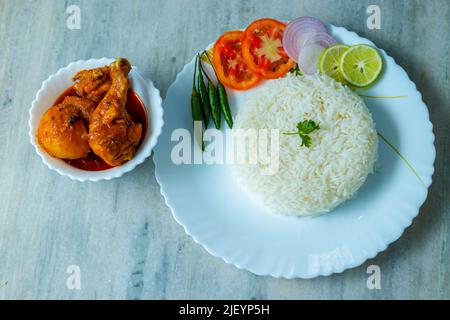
x: 346, y: 266
x: 153, y: 107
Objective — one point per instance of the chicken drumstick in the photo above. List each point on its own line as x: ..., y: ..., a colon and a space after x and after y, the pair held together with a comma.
x: 113, y: 135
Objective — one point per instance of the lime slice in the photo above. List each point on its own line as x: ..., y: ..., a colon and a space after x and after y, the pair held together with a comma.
x: 329, y: 62
x: 361, y: 65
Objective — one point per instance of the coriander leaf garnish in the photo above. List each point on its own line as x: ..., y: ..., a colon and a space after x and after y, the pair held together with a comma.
x: 306, y: 141
x: 307, y: 126
x: 304, y: 128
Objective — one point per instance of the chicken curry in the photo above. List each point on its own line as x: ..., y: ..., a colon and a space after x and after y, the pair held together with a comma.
x: 98, y: 123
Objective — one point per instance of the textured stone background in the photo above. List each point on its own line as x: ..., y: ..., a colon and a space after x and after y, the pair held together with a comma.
x: 120, y: 232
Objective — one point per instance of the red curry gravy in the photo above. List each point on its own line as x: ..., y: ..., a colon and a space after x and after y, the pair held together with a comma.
x: 137, y: 111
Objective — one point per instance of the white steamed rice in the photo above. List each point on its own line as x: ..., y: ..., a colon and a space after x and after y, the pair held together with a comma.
x: 311, y: 180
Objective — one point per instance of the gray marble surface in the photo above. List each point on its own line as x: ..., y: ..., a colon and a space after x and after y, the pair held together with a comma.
x: 119, y: 232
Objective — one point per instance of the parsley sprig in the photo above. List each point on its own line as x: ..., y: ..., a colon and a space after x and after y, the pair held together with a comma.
x: 304, y: 128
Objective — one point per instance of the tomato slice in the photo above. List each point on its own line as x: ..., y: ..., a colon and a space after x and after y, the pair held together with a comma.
x: 262, y: 48
x: 230, y: 66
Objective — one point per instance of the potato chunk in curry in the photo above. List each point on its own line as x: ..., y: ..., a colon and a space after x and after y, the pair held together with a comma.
x: 62, y: 131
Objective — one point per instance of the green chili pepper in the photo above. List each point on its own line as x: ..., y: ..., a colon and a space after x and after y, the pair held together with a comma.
x: 223, y: 98
x: 196, y: 106
x: 203, y: 94
x: 196, y: 103
x: 224, y: 105
x: 213, y: 100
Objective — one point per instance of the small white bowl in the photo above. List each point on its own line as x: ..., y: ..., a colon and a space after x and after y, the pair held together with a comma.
x: 55, y: 85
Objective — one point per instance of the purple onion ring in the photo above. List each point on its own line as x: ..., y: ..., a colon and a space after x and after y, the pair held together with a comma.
x: 296, y: 29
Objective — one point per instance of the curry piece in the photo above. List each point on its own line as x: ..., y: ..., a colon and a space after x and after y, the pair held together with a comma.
x: 62, y: 131
x: 93, y: 83
x: 113, y: 135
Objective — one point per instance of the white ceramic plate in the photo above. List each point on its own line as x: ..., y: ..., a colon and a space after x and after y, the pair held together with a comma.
x: 213, y: 209
x: 57, y: 83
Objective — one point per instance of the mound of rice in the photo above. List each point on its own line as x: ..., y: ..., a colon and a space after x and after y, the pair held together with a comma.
x: 343, y: 152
